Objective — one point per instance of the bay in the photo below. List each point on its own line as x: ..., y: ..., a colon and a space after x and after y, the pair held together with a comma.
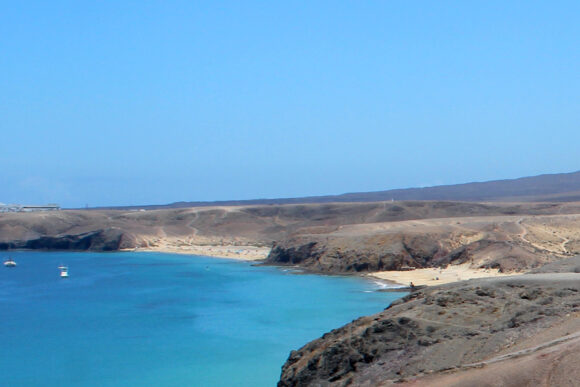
x: 153, y: 319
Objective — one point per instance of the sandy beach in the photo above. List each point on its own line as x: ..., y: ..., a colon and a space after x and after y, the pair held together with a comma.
x: 437, y: 276
x: 428, y: 276
x: 244, y: 253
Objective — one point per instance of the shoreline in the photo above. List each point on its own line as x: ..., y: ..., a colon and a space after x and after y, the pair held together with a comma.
x: 394, y: 280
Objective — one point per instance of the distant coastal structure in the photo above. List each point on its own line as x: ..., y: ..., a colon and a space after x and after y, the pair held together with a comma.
x: 28, y: 208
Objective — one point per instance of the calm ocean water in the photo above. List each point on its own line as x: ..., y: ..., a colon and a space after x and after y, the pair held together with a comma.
x: 148, y: 319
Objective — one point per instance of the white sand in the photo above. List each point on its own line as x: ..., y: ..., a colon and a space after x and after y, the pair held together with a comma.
x: 245, y: 253
x: 432, y: 276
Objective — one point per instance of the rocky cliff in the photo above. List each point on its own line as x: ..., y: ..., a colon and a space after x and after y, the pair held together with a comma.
x: 450, y: 327
x: 508, y: 243
x: 111, y: 239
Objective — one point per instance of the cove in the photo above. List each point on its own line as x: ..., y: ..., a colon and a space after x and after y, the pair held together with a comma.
x: 153, y: 319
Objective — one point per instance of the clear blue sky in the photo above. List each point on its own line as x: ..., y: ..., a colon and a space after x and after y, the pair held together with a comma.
x: 150, y: 102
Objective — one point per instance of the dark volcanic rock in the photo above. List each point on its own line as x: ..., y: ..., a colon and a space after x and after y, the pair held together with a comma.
x: 434, y: 329
x: 101, y: 240
x: 344, y: 253
x: 294, y: 255
x: 348, y: 255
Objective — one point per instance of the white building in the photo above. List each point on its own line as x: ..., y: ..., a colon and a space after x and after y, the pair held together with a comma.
x: 28, y: 208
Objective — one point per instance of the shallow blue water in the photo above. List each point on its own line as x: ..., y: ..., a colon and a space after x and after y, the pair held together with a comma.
x: 148, y: 319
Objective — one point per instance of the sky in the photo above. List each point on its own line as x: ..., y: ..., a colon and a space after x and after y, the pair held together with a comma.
x: 151, y: 102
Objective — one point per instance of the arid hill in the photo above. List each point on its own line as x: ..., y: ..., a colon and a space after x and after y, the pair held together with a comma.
x: 333, y: 238
x: 511, y: 331
x: 358, y: 225
x: 509, y: 243
x: 559, y: 187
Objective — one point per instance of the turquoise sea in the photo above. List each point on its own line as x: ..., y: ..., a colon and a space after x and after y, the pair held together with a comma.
x: 152, y: 319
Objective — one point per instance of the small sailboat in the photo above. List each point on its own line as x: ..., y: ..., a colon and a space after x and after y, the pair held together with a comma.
x: 9, y: 262
x: 63, y: 271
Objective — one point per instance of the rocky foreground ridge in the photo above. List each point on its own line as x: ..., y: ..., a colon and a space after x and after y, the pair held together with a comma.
x: 449, y: 334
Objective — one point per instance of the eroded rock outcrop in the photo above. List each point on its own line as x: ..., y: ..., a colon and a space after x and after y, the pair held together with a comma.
x: 385, y: 252
x: 508, y: 244
x: 111, y: 239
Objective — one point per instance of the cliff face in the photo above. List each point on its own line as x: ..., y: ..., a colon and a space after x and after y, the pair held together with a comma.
x: 447, y: 327
x: 344, y: 255
x: 100, y: 240
x: 372, y: 251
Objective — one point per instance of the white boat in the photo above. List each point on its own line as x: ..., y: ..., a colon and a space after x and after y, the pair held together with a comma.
x: 9, y: 262
x: 63, y: 271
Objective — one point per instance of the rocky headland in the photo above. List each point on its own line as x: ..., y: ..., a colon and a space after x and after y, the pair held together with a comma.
x: 505, y: 242
x: 511, y: 331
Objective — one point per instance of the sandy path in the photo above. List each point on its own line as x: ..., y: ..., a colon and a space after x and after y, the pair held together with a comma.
x: 565, y: 241
x: 524, y: 232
